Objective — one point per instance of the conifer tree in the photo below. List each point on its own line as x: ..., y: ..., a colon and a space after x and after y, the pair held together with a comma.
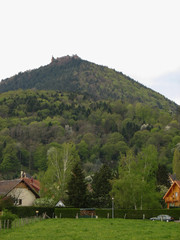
x: 77, y: 187
x: 101, y: 187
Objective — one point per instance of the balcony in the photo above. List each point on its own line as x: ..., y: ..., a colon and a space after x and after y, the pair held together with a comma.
x: 172, y: 199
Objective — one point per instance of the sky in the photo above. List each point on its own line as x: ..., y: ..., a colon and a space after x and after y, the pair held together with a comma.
x: 140, y: 38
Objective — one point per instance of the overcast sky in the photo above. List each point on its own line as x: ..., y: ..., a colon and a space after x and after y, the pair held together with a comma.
x: 140, y: 38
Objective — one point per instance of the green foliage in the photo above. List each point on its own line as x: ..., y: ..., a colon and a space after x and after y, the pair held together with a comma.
x: 162, y: 175
x: 23, y: 212
x: 36, y: 125
x: 45, y: 202
x: 61, y: 160
x: 137, y: 178
x: 101, y: 187
x: 10, y: 163
x: 6, y: 202
x: 176, y: 161
x: 83, y: 150
x: 66, y: 212
x: 7, y: 218
x: 76, y: 188
x: 79, y: 76
x: 40, y: 157
x: 137, y: 214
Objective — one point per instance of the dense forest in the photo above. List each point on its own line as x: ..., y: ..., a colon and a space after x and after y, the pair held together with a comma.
x: 72, y: 74
x: 117, y: 143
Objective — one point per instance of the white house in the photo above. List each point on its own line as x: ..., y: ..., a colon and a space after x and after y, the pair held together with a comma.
x: 24, y: 191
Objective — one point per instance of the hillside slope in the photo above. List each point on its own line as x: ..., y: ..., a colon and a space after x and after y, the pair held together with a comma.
x: 32, y: 121
x: 72, y: 74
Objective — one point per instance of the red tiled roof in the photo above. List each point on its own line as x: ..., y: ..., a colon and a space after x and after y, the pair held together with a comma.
x: 7, y: 185
x: 35, y: 184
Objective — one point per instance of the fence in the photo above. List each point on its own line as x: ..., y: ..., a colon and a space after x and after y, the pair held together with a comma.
x: 19, y: 222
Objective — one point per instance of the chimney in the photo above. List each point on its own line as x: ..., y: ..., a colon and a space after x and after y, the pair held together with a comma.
x: 22, y: 174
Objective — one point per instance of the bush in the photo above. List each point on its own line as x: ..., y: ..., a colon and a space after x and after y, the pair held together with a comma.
x: 7, y: 218
x: 6, y: 202
x: 45, y: 202
x: 23, y: 212
x: 137, y: 214
x: 66, y: 212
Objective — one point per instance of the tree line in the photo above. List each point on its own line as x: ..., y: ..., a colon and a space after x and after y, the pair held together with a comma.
x: 37, y: 126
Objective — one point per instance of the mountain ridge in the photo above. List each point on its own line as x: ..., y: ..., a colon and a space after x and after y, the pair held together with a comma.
x: 73, y: 74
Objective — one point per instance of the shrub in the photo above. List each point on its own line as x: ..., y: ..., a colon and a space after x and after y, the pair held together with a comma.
x: 101, y: 213
x: 23, y: 212
x: 6, y: 202
x: 45, y: 202
x: 137, y: 214
x: 7, y: 218
x: 67, y: 212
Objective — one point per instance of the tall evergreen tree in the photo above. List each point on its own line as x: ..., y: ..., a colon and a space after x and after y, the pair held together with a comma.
x: 162, y: 175
x: 101, y: 187
x: 77, y: 187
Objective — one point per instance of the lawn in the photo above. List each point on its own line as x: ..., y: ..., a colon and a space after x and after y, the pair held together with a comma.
x: 94, y: 229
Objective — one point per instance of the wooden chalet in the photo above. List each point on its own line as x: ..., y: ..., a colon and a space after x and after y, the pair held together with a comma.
x: 172, y: 197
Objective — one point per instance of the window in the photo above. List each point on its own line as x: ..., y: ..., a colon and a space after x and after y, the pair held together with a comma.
x: 20, y: 201
x: 176, y: 194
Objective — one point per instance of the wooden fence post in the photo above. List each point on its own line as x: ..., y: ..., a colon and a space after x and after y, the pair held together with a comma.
x: 7, y: 223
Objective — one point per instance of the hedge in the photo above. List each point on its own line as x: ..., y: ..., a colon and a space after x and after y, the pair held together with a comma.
x: 119, y: 213
x: 137, y: 214
x: 23, y: 212
x: 67, y: 212
x: 101, y: 213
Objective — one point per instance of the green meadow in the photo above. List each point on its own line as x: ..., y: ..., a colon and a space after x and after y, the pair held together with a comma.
x: 94, y: 229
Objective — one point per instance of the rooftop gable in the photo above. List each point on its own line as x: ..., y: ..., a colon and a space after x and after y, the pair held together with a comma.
x: 8, y: 185
x: 174, y: 183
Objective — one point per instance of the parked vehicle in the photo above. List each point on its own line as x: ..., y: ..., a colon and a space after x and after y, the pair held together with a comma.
x: 165, y: 218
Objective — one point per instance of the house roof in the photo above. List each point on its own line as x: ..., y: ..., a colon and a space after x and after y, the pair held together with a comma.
x: 7, y: 185
x: 60, y: 204
x: 35, y: 184
x: 178, y: 183
x: 175, y: 182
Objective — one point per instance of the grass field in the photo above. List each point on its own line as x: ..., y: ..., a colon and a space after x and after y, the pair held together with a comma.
x: 94, y: 229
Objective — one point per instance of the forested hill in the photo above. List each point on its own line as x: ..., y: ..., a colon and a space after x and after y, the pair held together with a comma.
x: 72, y: 74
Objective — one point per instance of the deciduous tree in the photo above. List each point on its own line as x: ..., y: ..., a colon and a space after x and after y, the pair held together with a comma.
x: 61, y: 160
